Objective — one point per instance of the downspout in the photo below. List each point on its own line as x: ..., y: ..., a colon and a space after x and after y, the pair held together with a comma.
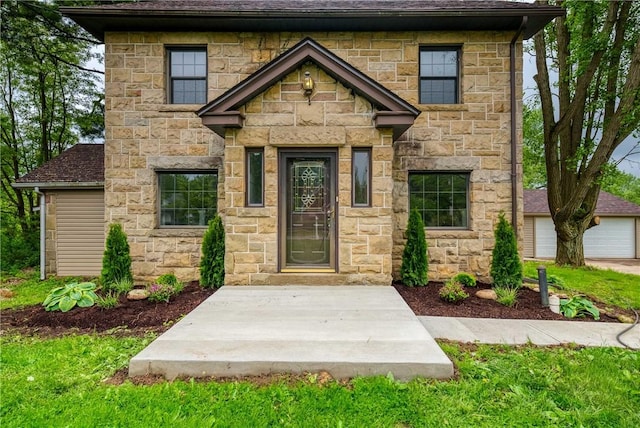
x: 43, y: 211
x: 514, y: 140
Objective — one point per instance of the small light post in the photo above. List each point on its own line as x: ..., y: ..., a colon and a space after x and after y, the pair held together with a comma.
x: 542, y: 284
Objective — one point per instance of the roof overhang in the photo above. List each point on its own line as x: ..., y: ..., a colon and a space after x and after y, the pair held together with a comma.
x: 393, y: 111
x: 61, y: 185
x: 450, y: 16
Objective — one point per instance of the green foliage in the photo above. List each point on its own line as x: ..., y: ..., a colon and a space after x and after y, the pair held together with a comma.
x: 465, y: 279
x: 556, y: 281
x: 108, y: 300
x: 578, y: 306
x: 452, y: 291
x: 163, y: 292
x: 66, y: 298
x: 62, y: 379
x: 507, y: 296
x: 534, y: 173
x: 19, y: 249
x: 413, y: 271
x: 29, y: 290
x: 116, y: 262
x: 506, y: 267
x: 167, y: 279
x: 212, y: 262
x: 120, y: 286
x: 610, y: 287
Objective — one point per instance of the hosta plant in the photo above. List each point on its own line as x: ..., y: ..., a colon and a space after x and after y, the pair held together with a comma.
x: 578, y: 306
x: 67, y: 297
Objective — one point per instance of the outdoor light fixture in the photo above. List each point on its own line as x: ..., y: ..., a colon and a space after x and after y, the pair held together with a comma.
x: 307, y: 85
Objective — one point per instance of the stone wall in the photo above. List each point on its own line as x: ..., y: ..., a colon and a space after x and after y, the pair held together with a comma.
x: 144, y: 133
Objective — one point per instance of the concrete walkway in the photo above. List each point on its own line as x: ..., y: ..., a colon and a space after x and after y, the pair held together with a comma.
x: 344, y: 330
x: 538, y: 332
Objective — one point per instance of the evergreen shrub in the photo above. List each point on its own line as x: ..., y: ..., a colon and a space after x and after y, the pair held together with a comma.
x: 212, y: 262
x: 116, y: 262
x: 413, y: 271
x: 506, y: 267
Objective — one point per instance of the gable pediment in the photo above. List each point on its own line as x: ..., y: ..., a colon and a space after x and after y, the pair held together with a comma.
x: 392, y: 111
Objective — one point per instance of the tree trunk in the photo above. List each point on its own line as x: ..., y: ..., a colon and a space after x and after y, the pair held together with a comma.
x: 569, y: 243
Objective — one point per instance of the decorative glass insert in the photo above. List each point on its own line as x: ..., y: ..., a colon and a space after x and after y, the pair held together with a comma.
x: 361, y: 177
x: 441, y: 198
x: 187, y: 198
x: 255, y: 177
x: 188, y: 75
x: 308, y: 184
x: 439, y: 75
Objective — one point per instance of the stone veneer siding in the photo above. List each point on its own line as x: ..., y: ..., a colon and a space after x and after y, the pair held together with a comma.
x: 143, y: 134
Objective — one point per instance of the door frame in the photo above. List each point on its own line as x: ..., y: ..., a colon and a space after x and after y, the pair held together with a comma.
x: 283, y: 155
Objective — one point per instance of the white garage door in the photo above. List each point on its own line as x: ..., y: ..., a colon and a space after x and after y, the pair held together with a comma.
x: 80, y: 223
x: 612, y: 238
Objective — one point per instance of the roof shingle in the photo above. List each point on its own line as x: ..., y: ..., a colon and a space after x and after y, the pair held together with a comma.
x: 535, y: 202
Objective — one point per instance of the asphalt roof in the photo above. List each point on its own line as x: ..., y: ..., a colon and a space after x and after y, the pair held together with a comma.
x: 82, y: 163
x: 535, y: 202
x: 313, y: 15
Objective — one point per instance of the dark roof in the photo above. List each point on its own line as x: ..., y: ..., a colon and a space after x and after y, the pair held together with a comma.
x: 313, y: 15
x: 535, y: 202
x: 395, y: 112
x: 80, y: 166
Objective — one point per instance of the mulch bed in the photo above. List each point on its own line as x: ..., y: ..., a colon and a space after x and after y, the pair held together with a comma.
x: 143, y: 316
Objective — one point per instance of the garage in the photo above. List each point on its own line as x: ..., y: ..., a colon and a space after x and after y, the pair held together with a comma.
x: 616, y: 237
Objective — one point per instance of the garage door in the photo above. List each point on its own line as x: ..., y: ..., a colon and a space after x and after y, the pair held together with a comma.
x: 80, y: 224
x: 613, y: 238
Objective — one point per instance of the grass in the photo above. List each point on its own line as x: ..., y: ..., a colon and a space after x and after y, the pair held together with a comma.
x: 59, y: 382
x: 615, y: 288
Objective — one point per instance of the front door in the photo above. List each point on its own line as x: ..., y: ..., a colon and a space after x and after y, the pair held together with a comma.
x: 307, y: 210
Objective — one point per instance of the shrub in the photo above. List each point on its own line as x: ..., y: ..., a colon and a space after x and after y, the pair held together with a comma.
x: 506, y: 267
x: 116, y: 262
x: 67, y: 297
x: 556, y: 281
x: 452, y: 291
x: 465, y: 279
x: 119, y: 287
x: 507, y: 296
x: 161, y: 292
x: 413, y: 271
x: 212, y: 263
x: 578, y: 306
x: 109, y: 300
x: 20, y: 249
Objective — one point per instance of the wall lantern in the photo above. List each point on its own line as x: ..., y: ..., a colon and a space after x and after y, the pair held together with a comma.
x: 307, y: 85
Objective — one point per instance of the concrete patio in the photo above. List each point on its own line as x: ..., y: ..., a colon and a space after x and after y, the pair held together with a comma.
x: 347, y: 331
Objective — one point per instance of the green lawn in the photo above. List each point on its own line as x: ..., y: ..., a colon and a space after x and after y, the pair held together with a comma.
x: 60, y: 382
x: 620, y: 289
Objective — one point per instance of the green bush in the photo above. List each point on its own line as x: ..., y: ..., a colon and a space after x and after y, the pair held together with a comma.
x: 108, y: 300
x: 119, y: 287
x: 162, y: 292
x: 507, y: 296
x: 506, y: 267
x: 413, y: 271
x: 67, y: 297
x: 19, y: 249
x: 452, y: 291
x: 465, y: 279
x: 578, y: 306
x: 212, y: 263
x: 116, y: 262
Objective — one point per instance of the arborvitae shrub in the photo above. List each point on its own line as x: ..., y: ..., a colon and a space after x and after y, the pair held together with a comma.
x: 116, y: 262
x: 212, y: 263
x: 506, y: 267
x: 413, y: 271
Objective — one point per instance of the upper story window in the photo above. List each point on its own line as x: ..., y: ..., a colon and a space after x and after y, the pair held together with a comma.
x: 187, y: 75
x: 439, y: 75
x: 442, y: 198
x: 188, y: 198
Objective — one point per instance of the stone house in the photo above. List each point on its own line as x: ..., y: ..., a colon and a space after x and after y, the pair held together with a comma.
x: 312, y: 127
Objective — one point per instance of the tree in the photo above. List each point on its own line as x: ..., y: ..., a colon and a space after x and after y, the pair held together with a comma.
x: 595, y: 51
x: 413, y: 271
x: 116, y: 261
x: 212, y: 262
x: 48, y: 98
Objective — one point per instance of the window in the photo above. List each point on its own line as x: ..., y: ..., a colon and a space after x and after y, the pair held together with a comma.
x: 187, y: 198
x: 187, y: 75
x: 361, y: 177
x: 439, y: 74
x: 441, y: 198
x: 255, y: 177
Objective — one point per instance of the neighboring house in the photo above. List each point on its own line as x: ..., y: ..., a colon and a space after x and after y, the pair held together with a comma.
x: 617, y: 235
x: 312, y: 127
x: 72, y: 186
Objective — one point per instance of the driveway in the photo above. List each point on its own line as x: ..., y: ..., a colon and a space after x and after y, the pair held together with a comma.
x: 618, y: 265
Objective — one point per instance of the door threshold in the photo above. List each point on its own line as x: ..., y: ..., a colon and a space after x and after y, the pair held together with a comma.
x: 307, y: 270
